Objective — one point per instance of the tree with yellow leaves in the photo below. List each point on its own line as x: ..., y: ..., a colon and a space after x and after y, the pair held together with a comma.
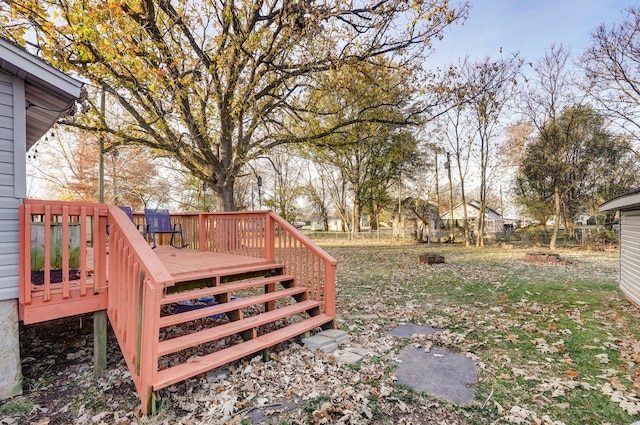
x: 218, y: 83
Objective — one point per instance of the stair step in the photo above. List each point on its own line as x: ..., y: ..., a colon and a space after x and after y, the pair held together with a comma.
x: 265, y: 266
x: 191, y: 340
x: 224, y: 288
x: 199, y: 313
x: 183, y: 371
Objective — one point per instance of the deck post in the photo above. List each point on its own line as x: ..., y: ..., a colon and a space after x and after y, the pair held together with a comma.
x: 269, y: 237
x: 100, y: 341
x: 202, y: 232
x: 330, y: 290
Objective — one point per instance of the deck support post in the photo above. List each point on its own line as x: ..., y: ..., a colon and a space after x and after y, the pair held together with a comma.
x: 100, y: 341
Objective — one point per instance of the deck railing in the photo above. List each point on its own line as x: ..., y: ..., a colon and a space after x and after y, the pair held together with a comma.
x: 264, y: 234
x: 311, y: 265
x: 137, y: 280
x: 62, y: 259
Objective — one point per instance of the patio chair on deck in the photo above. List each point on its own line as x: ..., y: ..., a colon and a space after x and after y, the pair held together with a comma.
x: 129, y: 212
x: 158, y: 221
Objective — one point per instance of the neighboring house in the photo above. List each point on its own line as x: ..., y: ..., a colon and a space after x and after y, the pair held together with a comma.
x: 337, y: 225
x: 629, y: 207
x: 419, y: 220
x: 586, y: 219
x: 33, y: 95
x: 581, y: 219
x: 493, y: 221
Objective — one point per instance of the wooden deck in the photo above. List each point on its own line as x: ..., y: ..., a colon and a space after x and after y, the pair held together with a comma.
x: 188, y: 264
x: 268, y: 281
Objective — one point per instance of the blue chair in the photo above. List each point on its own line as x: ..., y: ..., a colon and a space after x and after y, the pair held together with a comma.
x: 158, y: 221
x: 129, y: 212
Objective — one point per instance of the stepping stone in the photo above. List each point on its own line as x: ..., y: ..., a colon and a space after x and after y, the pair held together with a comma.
x: 318, y: 342
x: 409, y: 329
x: 442, y: 374
x: 336, y: 335
x: 361, y: 351
x: 349, y: 358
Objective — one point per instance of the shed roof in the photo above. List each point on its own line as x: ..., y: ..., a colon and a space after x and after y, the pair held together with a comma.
x: 473, y: 210
x: 625, y: 202
x: 49, y: 92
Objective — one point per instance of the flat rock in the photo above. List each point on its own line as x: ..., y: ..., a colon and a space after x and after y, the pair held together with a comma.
x: 407, y: 330
x: 336, y: 335
x: 262, y: 414
x: 362, y: 351
x: 348, y: 358
x: 318, y: 342
x: 442, y: 374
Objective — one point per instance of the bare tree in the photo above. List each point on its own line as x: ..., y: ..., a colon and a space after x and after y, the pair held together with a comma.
x: 612, y: 68
x: 282, y: 178
x: 552, y: 89
x: 317, y: 194
x: 491, y: 84
x: 457, y: 132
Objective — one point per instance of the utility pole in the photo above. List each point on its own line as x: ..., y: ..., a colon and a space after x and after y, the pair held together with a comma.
x: 100, y: 317
x: 101, y: 157
x: 437, y: 219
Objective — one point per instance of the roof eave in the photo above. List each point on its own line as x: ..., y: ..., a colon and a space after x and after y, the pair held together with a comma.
x: 628, y: 202
x: 23, y: 64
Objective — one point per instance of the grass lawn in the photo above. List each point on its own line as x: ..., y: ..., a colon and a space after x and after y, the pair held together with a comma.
x: 556, y: 344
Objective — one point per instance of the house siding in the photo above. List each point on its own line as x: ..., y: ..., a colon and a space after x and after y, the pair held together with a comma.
x: 9, y: 203
x: 629, y: 254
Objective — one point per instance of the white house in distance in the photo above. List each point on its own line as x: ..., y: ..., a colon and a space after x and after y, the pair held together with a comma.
x: 629, y: 207
x: 33, y: 96
x: 493, y: 221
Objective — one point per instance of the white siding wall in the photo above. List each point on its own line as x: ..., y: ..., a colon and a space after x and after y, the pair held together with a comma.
x: 630, y: 255
x: 9, y: 244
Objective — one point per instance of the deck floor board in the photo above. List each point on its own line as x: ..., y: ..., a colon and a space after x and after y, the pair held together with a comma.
x: 180, y: 262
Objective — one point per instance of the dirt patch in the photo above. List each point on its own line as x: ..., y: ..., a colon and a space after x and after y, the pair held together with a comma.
x: 543, y: 257
x: 37, y: 277
x: 59, y: 379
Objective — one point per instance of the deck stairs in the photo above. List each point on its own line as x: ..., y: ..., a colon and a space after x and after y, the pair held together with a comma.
x: 255, y: 307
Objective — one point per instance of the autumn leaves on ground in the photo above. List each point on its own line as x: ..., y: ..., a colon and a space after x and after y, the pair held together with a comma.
x: 556, y: 344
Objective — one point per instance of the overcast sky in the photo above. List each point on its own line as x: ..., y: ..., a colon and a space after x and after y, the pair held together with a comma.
x: 525, y: 26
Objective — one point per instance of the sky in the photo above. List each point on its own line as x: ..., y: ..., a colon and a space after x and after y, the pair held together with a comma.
x: 525, y: 26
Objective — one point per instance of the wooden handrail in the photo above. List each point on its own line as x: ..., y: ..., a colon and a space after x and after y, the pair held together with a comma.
x: 264, y: 234
x: 137, y: 279
x: 312, y: 266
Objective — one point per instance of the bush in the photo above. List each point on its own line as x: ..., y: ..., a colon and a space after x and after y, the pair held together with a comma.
x: 607, y: 237
x: 534, y: 234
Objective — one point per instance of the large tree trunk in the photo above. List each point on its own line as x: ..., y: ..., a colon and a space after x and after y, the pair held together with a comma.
x: 357, y: 208
x: 223, y: 194
x: 556, y: 224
